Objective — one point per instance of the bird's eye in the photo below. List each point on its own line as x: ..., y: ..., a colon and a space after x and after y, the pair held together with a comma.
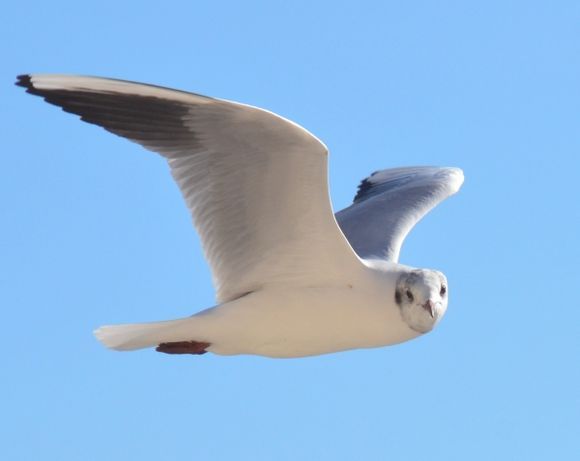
x: 409, y: 295
x: 443, y: 290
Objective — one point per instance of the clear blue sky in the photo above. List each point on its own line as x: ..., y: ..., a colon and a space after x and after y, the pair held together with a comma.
x: 94, y: 231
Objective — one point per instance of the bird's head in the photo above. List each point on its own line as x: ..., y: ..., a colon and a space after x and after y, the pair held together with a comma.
x: 421, y: 295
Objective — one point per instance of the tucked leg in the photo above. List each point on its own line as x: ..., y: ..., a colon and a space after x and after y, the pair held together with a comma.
x: 183, y: 347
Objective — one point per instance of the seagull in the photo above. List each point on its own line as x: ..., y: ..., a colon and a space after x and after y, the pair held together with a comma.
x: 292, y: 279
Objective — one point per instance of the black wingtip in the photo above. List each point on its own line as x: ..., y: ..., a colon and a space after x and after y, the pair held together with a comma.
x: 24, y: 81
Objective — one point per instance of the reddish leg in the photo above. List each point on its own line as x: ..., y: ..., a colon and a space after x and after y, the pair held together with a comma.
x: 183, y: 347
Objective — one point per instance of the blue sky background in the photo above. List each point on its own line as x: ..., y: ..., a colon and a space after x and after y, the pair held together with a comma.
x: 94, y: 231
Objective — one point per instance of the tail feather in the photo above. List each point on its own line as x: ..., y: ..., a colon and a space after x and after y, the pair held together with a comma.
x: 132, y: 336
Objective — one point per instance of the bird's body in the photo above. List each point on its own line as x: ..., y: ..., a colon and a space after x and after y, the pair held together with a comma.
x: 291, y: 320
x: 292, y: 279
x: 301, y: 321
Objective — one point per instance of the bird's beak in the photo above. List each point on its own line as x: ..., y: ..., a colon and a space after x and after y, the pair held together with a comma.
x: 429, y: 306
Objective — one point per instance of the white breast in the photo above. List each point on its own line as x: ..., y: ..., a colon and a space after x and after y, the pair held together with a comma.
x: 295, y: 322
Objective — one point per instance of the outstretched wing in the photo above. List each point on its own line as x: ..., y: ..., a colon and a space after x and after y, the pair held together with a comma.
x: 255, y: 183
x: 389, y: 203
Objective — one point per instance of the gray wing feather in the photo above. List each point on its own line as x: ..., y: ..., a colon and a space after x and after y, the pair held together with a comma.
x: 389, y: 203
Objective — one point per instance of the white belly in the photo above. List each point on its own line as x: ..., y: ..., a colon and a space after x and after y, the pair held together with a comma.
x: 286, y: 322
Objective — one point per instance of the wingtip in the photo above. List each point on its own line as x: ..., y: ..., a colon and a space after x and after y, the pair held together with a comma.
x: 24, y: 80
x: 457, y: 177
x: 455, y: 171
x: 450, y: 178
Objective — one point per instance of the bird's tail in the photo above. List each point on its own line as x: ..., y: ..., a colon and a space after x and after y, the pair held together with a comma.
x: 131, y: 336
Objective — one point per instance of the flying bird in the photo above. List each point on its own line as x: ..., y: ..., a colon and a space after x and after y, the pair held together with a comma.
x: 292, y: 279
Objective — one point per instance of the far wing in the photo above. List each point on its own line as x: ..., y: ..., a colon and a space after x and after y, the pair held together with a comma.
x: 389, y: 203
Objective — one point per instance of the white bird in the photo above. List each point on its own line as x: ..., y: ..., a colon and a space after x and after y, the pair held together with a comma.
x: 292, y: 279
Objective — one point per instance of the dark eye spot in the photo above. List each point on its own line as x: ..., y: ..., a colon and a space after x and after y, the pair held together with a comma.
x: 398, y: 297
x: 409, y: 295
x: 443, y: 290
